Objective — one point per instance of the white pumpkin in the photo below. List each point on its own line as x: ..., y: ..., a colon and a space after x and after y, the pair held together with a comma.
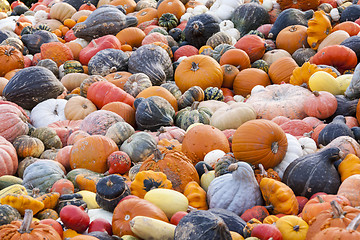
x: 234, y: 33
x: 213, y: 156
x: 232, y: 116
x: 213, y: 105
x: 308, y: 145
x: 81, y: 41
x: 223, y: 9
x: 48, y: 111
x: 268, y: 5
x: 235, y: 192
x: 100, y: 213
x: 226, y: 25
x: 293, y: 152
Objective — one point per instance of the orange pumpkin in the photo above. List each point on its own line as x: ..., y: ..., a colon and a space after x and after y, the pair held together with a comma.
x: 236, y: 57
x: 132, y: 36
x: 161, y: 92
x: 229, y: 74
x: 78, y: 108
x: 10, y: 59
x: 300, y: 4
x: 3, y: 82
x: 75, y: 136
x: 175, y: 7
x: 348, y: 189
x: 75, y: 49
x: 118, y: 78
x: 249, y: 78
x: 201, y: 139
x: 91, y: 153
x: 129, y: 208
x: 260, y: 141
x: 292, y: 38
x: 198, y: 70
x: 281, y: 70
x: 177, y: 167
x: 123, y: 110
x: 56, y: 51
x: 129, y: 5
x: 146, y: 14
x: 350, y: 27
x: 253, y: 45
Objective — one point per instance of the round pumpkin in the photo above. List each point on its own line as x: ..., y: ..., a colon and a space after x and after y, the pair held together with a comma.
x: 260, y: 141
x: 132, y: 36
x: 249, y: 78
x: 161, y: 92
x: 10, y: 59
x: 237, y: 57
x: 8, y: 158
x: 123, y: 110
x: 281, y: 70
x: 253, y: 45
x: 292, y: 38
x: 78, y: 108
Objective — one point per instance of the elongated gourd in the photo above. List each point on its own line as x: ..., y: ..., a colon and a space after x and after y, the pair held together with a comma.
x: 150, y: 228
x: 323, y: 81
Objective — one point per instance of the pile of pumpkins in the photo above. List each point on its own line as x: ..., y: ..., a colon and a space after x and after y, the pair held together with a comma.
x: 180, y: 119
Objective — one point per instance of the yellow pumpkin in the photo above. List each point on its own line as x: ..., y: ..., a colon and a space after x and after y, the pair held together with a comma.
x: 90, y: 199
x: 349, y: 166
x: 196, y: 196
x: 21, y: 202
x: 319, y: 28
x: 292, y: 227
x: 323, y: 81
x: 279, y: 195
x: 270, y: 219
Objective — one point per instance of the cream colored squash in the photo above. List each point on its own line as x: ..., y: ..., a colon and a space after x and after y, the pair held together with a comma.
x: 334, y: 38
x: 89, y: 198
x: 206, y: 179
x: 308, y: 145
x: 62, y: 11
x: 213, y: 105
x: 273, y: 55
x: 213, y: 156
x: 151, y: 228
x: 344, y: 82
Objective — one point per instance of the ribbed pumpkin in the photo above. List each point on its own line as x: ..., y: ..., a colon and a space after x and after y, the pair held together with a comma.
x: 91, y: 153
x: 292, y: 38
x: 161, y: 92
x: 198, y: 70
x: 281, y: 70
x: 132, y: 36
x: 236, y: 57
x: 10, y: 59
x: 253, y: 45
x: 201, y: 139
x: 260, y: 141
x: 8, y: 158
x: 249, y: 78
x: 13, y: 122
x: 123, y: 110
x: 176, y: 165
x: 98, y: 122
x: 78, y: 108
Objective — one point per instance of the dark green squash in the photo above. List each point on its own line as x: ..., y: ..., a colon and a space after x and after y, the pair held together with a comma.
x: 333, y: 130
x: 200, y: 168
x: 110, y: 190
x: 8, y: 214
x: 32, y: 85
x: 73, y: 66
x: 70, y: 199
x: 249, y: 16
x: 353, y: 43
x: 159, y: 30
x: 257, y: 33
x: 168, y: 21
x: 290, y: 17
x: 314, y: 173
x: 48, y: 136
x: 27, y: 30
x: 43, y: 27
x: 200, y: 28
x: 346, y: 106
x: 356, y: 132
x: 19, y: 9
x: 233, y: 221
x: 34, y: 41
x: 190, y: 115
x: 221, y: 166
x: 219, y: 38
x: 177, y: 34
x: 303, y: 55
x: 139, y: 146
x: 49, y: 154
x: 191, y: 95
x: 213, y: 93
x: 172, y: 88
x: 351, y: 13
x: 108, y: 61
x: 153, y: 112
x: 199, y: 225
x: 5, y: 34
x: 49, y: 64
x: 154, y: 61
x: 220, y: 50
x: 103, y: 21
x: 261, y: 64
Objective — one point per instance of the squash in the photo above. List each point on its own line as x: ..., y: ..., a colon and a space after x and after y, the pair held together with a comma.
x: 323, y: 81
x: 9, y: 159
x: 235, y: 185
x: 319, y: 28
x: 349, y: 166
x: 48, y: 112
x: 23, y: 89
x: 189, y: 115
x: 98, y: 122
x: 8, y: 214
x: 320, y: 163
x: 119, y: 132
x: 139, y: 146
x: 196, y: 196
x: 21, y: 202
x: 48, y: 136
x: 34, y: 41
x: 292, y: 227
x: 327, y: 134
x: 136, y: 83
x: 347, y: 187
x: 150, y: 228
x: 191, y: 95
x: 8, y: 180
x: 202, y: 225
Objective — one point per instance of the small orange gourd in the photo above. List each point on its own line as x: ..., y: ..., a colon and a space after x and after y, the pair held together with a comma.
x: 196, y: 196
x: 318, y: 29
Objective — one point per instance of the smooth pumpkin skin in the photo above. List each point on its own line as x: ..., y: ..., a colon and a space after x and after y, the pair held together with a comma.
x: 91, y: 153
x: 349, y: 166
x: 161, y: 92
x: 292, y: 227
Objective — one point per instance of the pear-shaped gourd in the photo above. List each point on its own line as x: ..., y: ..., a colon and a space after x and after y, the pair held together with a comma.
x: 314, y: 173
x: 237, y: 191
x: 333, y: 130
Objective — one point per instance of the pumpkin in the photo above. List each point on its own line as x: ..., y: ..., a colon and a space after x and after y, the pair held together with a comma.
x: 189, y: 115
x: 65, y: 128
x: 78, y: 108
x: 56, y: 51
x: 303, y: 5
x: 73, y: 80
x: 327, y: 135
x: 176, y: 166
x: 27, y: 146
x: 91, y: 153
x: 237, y: 57
x: 161, y: 92
x: 349, y: 166
x: 233, y: 186
x: 119, y: 132
x: 257, y: 212
x: 249, y: 78
x: 11, y: 59
x: 98, y: 122
x: 169, y: 144
x: 175, y: 7
x: 229, y: 74
x: 8, y: 159
x: 8, y: 214
x: 329, y: 56
x: 196, y: 149
x: 127, y: 209
x: 292, y: 227
x: 191, y: 70
x: 47, y: 214
x: 292, y: 38
x: 170, y: 133
x: 347, y: 187
x: 281, y: 70
x: 335, y: 38
x: 144, y: 15
x: 139, y: 146
x: 253, y: 45
x: 246, y: 140
x: 28, y: 229
x: 319, y: 28
x: 280, y: 196
x: 147, y: 180
x: 191, y: 95
x: 137, y: 83
x: 217, y: 39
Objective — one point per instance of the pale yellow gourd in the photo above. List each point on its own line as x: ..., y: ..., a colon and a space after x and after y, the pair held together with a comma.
x: 323, y: 81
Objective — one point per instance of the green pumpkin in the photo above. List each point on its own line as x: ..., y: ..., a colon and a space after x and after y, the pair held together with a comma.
x: 261, y: 64
x: 172, y: 88
x: 168, y: 21
x: 189, y: 115
x: 219, y: 50
x: 73, y: 66
x: 48, y: 136
x: 8, y: 214
x: 191, y: 95
x: 27, y: 30
x: 110, y: 190
x: 159, y: 30
x: 213, y: 93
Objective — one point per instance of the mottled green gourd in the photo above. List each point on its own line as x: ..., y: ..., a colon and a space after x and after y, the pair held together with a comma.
x: 189, y: 115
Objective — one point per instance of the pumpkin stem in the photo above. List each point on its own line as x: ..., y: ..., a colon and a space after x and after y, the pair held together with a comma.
x: 275, y: 147
x: 293, y: 28
x: 9, y: 51
x: 321, y: 200
x: 232, y: 167
x: 195, y: 105
x: 109, y: 183
x: 25, y: 225
x: 158, y: 155
x: 194, y: 66
x: 337, y: 211
x: 262, y: 170
x: 354, y: 223
x: 296, y: 228
x: 316, y: 93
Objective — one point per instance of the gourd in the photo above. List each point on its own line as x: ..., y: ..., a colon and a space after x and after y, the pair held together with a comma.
x: 190, y: 115
x: 139, y: 146
x: 313, y: 173
x: 319, y: 28
x: 333, y: 130
x: 108, y: 61
x: 196, y: 195
x: 240, y: 183
x: 292, y: 227
x: 22, y: 202
x: 349, y: 166
x: 8, y: 214
x: 150, y: 228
